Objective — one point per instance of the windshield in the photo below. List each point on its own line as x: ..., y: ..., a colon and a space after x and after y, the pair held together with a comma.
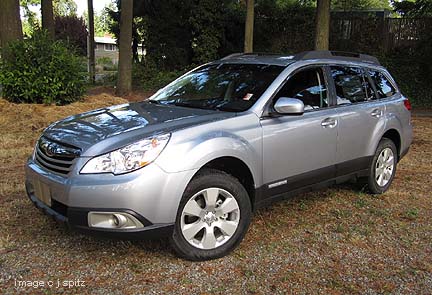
x: 226, y: 87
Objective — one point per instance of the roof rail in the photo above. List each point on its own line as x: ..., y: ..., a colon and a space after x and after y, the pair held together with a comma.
x: 339, y: 55
x: 238, y: 54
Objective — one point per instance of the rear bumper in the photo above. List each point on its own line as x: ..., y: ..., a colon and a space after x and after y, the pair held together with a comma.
x: 76, y: 219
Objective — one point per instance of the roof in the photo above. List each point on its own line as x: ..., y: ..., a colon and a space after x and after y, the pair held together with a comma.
x: 284, y: 60
x: 105, y: 40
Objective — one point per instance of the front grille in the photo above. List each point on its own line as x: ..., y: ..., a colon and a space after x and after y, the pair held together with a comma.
x: 54, y: 156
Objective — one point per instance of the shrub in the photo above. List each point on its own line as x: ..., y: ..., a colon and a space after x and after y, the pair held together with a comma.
x: 411, y: 79
x: 150, y: 78
x: 40, y: 70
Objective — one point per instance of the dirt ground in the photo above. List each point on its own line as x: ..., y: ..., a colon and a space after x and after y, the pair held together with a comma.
x: 335, y: 241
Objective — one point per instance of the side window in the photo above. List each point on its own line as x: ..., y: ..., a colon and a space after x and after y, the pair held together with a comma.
x: 383, y: 85
x: 307, y: 85
x: 351, y: 84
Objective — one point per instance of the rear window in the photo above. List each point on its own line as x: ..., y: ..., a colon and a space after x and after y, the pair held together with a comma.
x: 383, y: 85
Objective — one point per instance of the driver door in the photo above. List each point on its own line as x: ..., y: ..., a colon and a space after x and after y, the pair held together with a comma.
x: 300, y: 150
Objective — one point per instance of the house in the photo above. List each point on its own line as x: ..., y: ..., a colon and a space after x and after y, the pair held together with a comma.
x: 107, y: 47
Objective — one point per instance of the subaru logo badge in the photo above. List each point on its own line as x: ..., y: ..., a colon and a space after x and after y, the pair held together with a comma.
x: 50, y: 150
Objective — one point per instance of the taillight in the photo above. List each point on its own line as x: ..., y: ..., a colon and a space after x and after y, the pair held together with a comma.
x: 407, y: 104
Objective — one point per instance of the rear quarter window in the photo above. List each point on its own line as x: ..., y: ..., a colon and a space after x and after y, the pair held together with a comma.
x: 383, y: 85
x: 352, y: 85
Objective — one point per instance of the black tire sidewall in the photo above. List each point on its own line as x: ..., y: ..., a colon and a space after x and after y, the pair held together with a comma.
x: 372, y: 184
x: 218, y: 179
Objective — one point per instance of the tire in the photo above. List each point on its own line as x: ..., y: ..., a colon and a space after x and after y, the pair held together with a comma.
x: 204, y: 231
x: 385, y: 160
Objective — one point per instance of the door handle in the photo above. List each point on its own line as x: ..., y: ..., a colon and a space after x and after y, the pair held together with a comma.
x: 329, y: 122
x: 376, y: 113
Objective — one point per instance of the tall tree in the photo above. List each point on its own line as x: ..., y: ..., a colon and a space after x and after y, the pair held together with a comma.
x: 10, y: 21
x: 249, y: 26
x: 124, y: 81
x: 91, y: 42
x: 48, y: 17
x: 322, y: 30
x: 65, y: 7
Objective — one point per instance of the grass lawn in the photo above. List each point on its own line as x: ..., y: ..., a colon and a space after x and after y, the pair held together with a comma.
x: 336, y: 241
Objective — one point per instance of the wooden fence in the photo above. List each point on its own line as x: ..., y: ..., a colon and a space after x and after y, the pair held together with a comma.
x: 378, y: 34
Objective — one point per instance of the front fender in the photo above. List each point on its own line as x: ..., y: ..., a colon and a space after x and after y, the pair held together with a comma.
x: 191, y: 149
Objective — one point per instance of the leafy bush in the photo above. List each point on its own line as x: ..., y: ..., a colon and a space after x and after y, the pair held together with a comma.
x: 41, y: 70
x: 411, y: 79
x: 150, y: 78
x: 106, y: 64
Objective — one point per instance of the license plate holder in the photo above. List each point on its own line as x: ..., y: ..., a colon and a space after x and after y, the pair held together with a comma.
x: 42, y: 192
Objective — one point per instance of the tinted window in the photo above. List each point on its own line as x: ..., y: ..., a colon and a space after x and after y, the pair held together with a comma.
x: 230, y: 87
x: 383, y: 85
x: 308, y: 86
x: 351, y: 84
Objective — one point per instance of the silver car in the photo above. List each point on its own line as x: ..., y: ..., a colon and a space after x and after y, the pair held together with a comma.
x: 195, y: 160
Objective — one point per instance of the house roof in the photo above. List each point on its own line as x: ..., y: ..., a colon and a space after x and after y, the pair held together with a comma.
x: 105, y: 40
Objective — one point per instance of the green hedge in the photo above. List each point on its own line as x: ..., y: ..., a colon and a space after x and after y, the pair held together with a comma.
x: 148, y: 78
x: 41, y: 70
x: 413, y: 81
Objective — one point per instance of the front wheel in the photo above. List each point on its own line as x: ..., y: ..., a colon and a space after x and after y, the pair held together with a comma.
x: 383, y: 168
x: 213, y: 216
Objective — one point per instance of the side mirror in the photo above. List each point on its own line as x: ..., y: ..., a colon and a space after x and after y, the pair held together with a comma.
x: 289, y: 106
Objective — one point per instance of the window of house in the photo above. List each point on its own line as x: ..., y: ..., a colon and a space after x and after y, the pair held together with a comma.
x: 383, y: 85
x: 352, y: 85
x: 308, y: 86
x: 110, y: 47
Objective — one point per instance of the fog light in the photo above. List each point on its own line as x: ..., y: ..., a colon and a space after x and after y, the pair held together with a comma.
x: 119, y: 220
x: 113, y: 220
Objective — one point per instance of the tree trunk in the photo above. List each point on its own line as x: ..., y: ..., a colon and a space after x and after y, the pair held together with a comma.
x: 124, y: 79
x: 48, y: 17
x: 322, y: 30
x: 91, y: 42
x: 10, y: 22
x: 249, y: 26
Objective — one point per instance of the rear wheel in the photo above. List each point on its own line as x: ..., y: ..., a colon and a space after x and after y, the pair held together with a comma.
x: 213, y: 216
x: 383, y: 168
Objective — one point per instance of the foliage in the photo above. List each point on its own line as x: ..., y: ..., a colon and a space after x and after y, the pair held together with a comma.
x: 348, y: 5
x: 41, y: 70
x: 102, y: 20
x: 206, y: 22
x: 287, y: 29
x: 64, y: 7
x: 72, y: 30
x: 413, y: 8
x: 30, y: 21
x: 410, y: 78
x: 148, y: 77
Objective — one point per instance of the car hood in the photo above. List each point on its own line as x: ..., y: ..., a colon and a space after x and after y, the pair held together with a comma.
x: 106, y: 129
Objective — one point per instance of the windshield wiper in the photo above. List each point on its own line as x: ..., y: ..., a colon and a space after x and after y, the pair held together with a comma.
x: 154, y: 101
x: 189, y: 105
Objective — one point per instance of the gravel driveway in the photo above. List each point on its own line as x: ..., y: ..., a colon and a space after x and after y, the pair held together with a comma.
x: 335, y: 241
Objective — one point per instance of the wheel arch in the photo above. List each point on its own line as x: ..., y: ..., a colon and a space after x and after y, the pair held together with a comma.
x: 395, y: 137
x: 236, y: 168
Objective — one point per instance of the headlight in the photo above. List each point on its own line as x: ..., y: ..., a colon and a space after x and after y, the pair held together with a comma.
x: 128, y: 158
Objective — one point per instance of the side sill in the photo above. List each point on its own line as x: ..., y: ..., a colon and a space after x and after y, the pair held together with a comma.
x: 267, y: 200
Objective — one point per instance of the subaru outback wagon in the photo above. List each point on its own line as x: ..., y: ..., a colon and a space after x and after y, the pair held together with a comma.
x: 195, y: 160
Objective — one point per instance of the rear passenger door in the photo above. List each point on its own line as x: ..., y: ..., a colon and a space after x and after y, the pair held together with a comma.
x: 360, y: 116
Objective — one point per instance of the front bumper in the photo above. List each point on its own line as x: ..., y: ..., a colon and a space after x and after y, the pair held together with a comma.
x: 150, y: 195
x: 76, y: 219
